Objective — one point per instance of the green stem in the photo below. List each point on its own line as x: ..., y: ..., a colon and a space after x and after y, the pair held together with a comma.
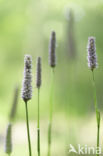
x: 50, y: 112
x: 28, y: 132
x: 98, y: 124
x: 97, y: 111
x: 38, y: 125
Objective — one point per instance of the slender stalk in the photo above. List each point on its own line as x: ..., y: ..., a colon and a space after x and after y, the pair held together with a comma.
x: 50, y: 112
x: 97, y: 111
x: 38, y: 124
x: 28, y: 132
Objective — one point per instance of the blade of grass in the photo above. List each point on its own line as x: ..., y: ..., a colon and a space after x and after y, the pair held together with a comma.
x: 50, y: 112
x: 97, y: 111
x: 38, y: 125
x: 28, y: 132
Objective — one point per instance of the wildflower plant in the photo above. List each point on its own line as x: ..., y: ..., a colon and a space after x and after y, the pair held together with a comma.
x: 92, y: 64
x: 27, y: 92
x: 38, y: 85
x: 52, y: 63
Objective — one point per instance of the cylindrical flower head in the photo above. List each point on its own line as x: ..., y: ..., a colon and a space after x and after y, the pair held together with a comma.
x: 52, y: 47
x: 27, y: 81
x: 92, y: 58
x: 38, y: 73
x: 8, y: 140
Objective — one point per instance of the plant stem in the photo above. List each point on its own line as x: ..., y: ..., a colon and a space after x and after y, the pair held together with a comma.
x: 50, y: 112
x: 97, y: 111
x: 38, y: 124
x: 28, y: 132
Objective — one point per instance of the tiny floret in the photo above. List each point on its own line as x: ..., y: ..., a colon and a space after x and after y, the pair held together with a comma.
x: 27, y: 81
x: 92, y: 57
x: 52, y: 48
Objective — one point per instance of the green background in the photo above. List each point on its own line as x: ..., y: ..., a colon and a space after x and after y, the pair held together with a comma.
x: 25, y: 28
